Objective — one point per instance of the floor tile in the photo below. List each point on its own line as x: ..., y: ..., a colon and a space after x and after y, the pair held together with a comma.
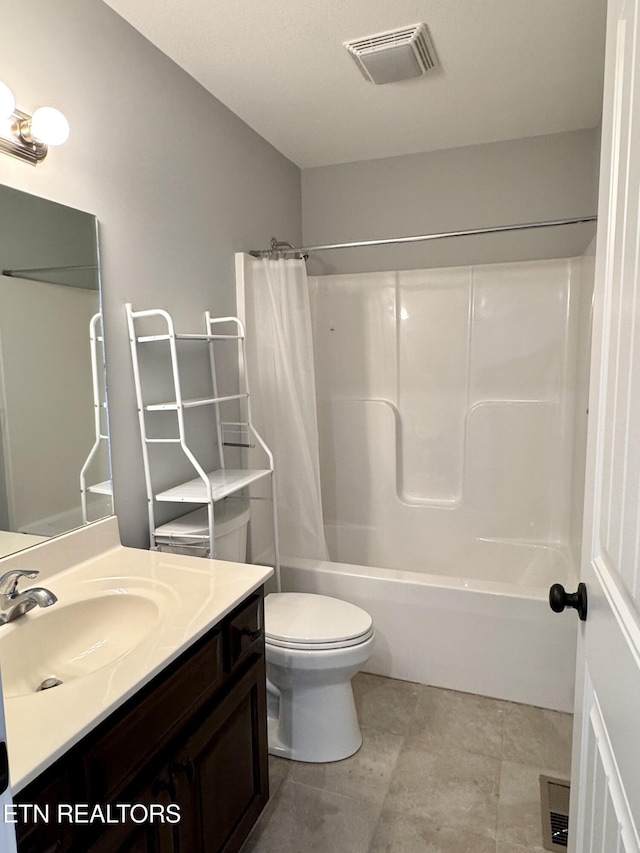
x: 460, y: 773
x: 447, y: 720
x: 365, y: 775
x: 384, y: 703
x: 278, y: 770
x: 401, y: 833
x: 538, y: 737
x: 458, y: 790
x: 301, y: 819
x: 519, y: 815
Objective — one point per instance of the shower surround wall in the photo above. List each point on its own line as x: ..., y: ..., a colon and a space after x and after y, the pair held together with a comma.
x: 452, y: 422
x: 448, y: 415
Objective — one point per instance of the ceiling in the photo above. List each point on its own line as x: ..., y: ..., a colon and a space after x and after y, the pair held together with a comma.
x: 508, y: 69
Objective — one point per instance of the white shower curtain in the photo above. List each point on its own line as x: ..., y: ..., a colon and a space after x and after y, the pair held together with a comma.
x: 283, y: 398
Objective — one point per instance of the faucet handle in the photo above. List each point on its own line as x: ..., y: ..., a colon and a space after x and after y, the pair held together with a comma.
x: 9, y: 581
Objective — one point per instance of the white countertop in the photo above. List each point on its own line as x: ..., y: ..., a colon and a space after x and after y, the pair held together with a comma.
x: 188, y: 596
x: 11, y: 542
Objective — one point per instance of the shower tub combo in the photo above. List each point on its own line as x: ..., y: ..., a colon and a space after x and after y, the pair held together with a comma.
x: 487, y: 637
x: 452, y: 421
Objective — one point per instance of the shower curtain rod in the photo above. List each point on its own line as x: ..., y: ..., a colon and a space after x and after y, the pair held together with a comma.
x: 279, y: 249
x: 50, y: 269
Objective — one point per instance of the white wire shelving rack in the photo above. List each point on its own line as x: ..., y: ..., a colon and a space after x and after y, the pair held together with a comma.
x: 207, y: 487
x: 96, y: 339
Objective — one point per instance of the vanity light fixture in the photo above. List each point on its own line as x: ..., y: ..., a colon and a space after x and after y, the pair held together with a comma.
x: 29, y: 137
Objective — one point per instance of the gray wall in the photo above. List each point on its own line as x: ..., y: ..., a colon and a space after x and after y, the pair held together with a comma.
x: 538, y: 178
x: 177, y: 181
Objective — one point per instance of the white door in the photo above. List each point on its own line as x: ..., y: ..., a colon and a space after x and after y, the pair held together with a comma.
x: 605, y: 805
x: 7, y: 830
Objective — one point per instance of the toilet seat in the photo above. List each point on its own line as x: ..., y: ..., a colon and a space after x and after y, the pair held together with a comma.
x: 309, y: 622
x: 319, y: 647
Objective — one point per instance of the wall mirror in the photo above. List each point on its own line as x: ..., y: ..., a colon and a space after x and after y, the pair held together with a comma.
x: 54, y: 449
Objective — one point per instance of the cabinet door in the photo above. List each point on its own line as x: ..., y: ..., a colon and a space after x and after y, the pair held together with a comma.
x: 146, y: 837
x: 50, y: 836
x: 221, y: 773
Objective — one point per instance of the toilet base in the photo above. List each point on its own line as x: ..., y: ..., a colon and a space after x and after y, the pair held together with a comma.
x: 312, y: 724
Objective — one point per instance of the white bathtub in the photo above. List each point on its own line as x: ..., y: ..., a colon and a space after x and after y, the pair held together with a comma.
x: 479, y: 636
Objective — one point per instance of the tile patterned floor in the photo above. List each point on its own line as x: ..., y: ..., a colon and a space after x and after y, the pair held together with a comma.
x: 438, y: 772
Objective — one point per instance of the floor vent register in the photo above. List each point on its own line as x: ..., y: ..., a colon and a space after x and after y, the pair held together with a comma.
x: 554, y: 799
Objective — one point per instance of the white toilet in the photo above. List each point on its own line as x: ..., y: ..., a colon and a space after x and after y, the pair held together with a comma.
x: 314, y: 647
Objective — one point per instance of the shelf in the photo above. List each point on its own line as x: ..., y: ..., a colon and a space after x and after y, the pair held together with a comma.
x: 192, y: 404
x: 210, y: 487
x: 223, y: 482
x: 145, y: 339
x: 104, y: 488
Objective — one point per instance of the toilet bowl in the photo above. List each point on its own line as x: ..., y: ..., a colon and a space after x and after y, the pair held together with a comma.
x: 314, y: 646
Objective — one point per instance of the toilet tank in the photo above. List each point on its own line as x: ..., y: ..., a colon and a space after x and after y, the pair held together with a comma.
x: 182, y: 535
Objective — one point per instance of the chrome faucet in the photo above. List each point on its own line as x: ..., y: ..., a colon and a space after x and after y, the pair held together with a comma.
x: 13, y: 603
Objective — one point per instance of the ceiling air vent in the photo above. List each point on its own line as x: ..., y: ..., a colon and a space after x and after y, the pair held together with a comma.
x: 394, y: 55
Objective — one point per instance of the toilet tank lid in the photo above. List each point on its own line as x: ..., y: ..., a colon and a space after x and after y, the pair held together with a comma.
x: 308, y: 618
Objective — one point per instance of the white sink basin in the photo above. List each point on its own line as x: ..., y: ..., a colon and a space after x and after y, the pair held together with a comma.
x: 71, y: 640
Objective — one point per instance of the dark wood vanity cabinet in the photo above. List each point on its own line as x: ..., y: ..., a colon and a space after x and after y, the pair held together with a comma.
x: 195, y: 738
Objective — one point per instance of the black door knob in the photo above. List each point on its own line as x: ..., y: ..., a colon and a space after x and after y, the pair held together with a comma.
x: 559, y: 599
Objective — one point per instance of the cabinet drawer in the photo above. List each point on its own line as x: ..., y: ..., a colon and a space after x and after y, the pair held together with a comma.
x: 244, y: 633
x: 137, y: 734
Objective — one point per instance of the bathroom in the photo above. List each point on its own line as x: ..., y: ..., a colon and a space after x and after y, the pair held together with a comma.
x: 163, y: 154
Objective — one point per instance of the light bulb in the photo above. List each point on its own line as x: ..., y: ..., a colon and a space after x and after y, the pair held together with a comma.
x: 49, y: 126
x: 7, y: 102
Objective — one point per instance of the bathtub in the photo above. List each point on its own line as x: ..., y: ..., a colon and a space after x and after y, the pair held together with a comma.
x: 478, y: 635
